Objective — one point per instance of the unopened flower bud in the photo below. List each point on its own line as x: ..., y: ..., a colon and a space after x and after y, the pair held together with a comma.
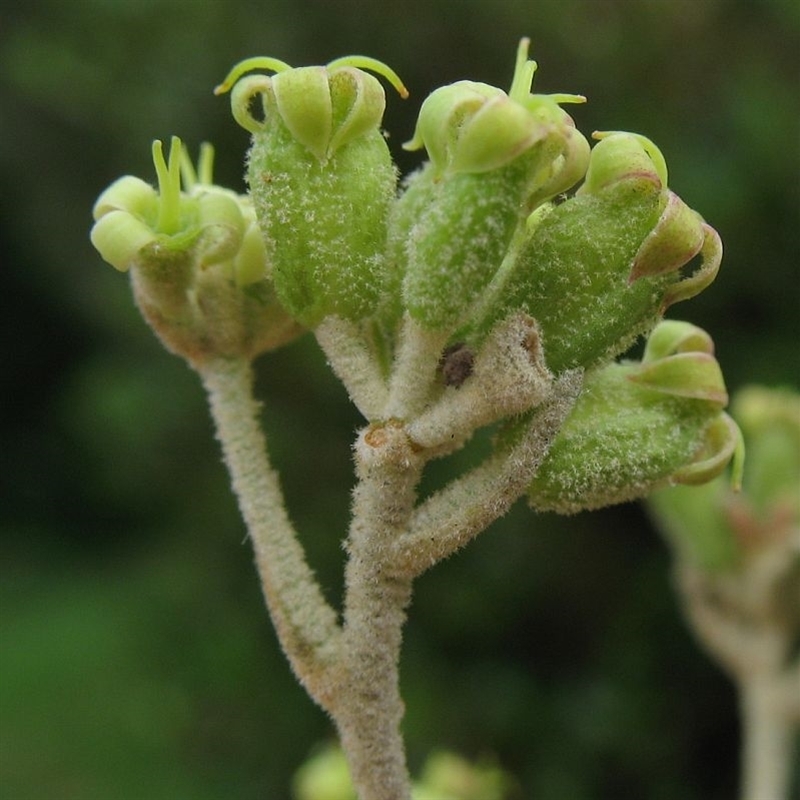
x: 494, y: 156
x: 599, y: 269
x: 638, y: 426
x: 321, y: 178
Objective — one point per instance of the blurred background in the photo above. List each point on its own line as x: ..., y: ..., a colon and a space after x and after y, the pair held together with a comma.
x: 137, y: 659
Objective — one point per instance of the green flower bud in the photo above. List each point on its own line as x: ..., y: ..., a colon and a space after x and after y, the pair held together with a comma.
x: 494, y: 156
x: 638, y: 426
x: 447, y: 775
x: 473, y: 127
x: 599, y: 269
x: 197, y: 262
x: 719, y: 529
x: 322, y: 180
x: 325, y: 776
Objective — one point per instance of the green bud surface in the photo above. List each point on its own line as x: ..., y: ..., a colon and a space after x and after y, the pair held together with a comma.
x: 637, y: 426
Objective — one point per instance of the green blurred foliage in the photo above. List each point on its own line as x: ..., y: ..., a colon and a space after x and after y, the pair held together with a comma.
x: 137, y: 660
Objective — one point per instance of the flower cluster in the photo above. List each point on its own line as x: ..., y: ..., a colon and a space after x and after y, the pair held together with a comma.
x: 516, y: 223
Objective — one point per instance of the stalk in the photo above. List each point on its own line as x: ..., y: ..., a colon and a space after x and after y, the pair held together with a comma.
x: 306, y: 624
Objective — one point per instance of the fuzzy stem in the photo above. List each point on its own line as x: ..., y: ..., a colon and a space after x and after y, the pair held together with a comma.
x: 356, y: 367
x: 453, y: 516
x: 414, y: 372
x: 368, y: 708
x: 306, y: 625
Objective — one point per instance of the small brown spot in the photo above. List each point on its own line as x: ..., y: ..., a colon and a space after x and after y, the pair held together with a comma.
x: 456, y: 364
x: 376, y: 437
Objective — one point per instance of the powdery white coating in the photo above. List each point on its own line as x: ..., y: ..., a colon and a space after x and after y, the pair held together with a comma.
x: 324, y: 223
x: 620, y: 442
x: 572, y: 275
x: 459, y: 241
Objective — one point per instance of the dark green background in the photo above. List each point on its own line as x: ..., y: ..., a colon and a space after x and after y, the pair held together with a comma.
x: 137, y: 660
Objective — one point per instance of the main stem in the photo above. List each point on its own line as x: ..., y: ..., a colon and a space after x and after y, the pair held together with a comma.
x: 369, y: 709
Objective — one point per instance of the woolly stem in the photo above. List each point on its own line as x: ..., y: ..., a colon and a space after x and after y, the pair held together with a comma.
x: 414, y: 371
x: 355, y: 365
x: 453, y: 516
x: 306, y: 625
x: 368, y: 708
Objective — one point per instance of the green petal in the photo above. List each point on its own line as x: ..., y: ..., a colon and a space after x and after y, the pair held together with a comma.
x: 128, y: 194
x: 223, y: 226
x: 676, y: 239
x: 303, y: 97
x: 689, y: 375
x: 723, y: 444
x: 119, y: 237
x: 675, y: 336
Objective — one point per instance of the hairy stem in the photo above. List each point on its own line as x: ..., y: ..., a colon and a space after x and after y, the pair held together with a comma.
x: 306, y: 625
x: 368, y: 708
x: 350, y: 357
x: 414, y: 372
x: 449, y: 519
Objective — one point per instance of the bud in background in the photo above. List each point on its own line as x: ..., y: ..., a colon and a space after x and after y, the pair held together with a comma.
x: 493, y: 157
x: 717, y: 529
x: 599, y: 269
x: 321, y: 178
x: 197, y: 262
x: 637, y: 426
x: 445, y: 776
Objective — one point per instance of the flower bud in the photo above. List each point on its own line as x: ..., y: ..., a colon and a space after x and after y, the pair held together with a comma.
x: 322, y: 179
x: 599, y: 269
x: 494, y: 156
x: 197, y: 262
x: 636, y: 427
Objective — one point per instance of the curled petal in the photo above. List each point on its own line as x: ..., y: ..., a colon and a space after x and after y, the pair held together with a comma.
x: 723, y: 445
x: 675, y: 336
x: 303, y: 97
x: 127, y: 194
x: 676, y: 239
x: 242, y: 97
x: 250, y: 264
x: 691, y: 375
x: 621, y: 156
x: 442, y: 116
x: 565, y: 170
x: 358, y: 105
x: 499, y: 132
x: 223, y: 226
x: 119, y: 237
x: 711, y: 254
x: 322, y: 107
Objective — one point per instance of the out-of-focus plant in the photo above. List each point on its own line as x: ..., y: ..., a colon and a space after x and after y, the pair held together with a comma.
x: 737, y: 561
x: 493, y: 288
x: 444, y: 776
